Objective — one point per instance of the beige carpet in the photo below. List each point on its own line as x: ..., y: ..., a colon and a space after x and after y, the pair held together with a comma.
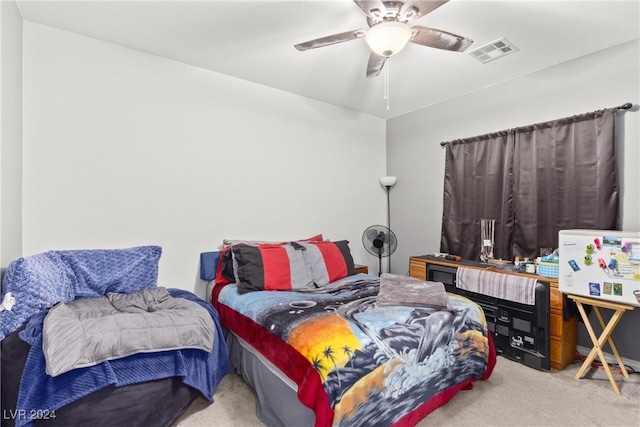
x: 515, y: 395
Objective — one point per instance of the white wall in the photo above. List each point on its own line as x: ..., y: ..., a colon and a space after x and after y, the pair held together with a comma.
x: 122, y: 148
x: 10, y: 132
x: 607, y: 78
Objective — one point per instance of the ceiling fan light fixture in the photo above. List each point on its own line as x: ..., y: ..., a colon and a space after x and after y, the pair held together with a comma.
x: 388, y: 38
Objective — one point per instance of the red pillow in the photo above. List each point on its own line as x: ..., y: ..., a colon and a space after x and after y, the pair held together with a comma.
x: 224, y: 272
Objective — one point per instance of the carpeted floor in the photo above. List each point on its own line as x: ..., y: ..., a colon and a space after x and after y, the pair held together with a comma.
x: 515, y: 395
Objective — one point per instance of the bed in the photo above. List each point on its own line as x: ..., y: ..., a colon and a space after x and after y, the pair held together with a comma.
x: 88, y: 338
x: 340, y: 348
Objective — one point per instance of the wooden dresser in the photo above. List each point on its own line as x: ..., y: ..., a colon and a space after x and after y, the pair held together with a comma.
x: 359, y: 268
x: 562, y: 333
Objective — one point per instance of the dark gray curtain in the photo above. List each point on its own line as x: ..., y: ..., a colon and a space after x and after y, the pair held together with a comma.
x: 534, y: 180
x: 477, y: 184
x: 566, y: 177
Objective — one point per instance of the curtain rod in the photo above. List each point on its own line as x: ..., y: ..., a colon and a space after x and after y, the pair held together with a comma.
x: 625, y: 106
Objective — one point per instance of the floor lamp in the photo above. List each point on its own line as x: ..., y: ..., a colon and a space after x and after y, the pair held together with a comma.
x: 387, y: 182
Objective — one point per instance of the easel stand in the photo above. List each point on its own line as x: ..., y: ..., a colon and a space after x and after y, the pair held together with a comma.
x: 605, y: 336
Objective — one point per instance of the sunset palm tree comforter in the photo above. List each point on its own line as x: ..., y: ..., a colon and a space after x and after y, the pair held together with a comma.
x: 357, y: 362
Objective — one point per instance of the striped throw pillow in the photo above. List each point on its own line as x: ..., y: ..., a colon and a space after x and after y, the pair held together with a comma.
x: 270, y: 267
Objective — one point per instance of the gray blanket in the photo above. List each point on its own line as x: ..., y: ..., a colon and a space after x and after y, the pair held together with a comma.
x: 402, y: 290
x: 88, y: 331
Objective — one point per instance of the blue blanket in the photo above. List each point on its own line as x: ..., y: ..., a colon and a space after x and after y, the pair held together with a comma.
x: 40, y: 392
x: 39, y: 281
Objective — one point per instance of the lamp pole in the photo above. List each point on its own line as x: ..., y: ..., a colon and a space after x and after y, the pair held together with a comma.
x: 388, y: 187
x: 387, y: 182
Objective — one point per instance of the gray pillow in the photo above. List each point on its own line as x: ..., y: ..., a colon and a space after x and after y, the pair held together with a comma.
x: 403, y: 290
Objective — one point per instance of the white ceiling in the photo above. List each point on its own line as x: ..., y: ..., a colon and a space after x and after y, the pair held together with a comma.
x: 253, y: 40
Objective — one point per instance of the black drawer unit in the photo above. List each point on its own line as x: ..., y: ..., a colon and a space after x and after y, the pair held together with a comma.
x: 520, y: 332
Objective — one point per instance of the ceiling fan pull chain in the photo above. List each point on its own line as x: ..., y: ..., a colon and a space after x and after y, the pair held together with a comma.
x: 386, y: 83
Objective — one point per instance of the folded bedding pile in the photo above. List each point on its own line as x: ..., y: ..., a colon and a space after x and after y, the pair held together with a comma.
x: 84, y: 312
x: 198, y: 369
x: 39, y: 281
x: 88, y: 331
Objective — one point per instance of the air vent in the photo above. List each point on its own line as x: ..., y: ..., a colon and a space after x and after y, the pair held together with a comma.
x: 493, y: 50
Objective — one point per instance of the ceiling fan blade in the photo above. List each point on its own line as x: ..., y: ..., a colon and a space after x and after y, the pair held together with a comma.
x: 414, y: 9
x: 439, y: 39
x: 372, y: 8
x: 376, y: 62
x: 332, y: 39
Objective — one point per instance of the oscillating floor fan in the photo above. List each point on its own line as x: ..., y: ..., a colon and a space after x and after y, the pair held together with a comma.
x: 379, y: 241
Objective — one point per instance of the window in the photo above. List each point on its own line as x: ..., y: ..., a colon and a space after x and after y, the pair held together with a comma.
x: 534, y: 181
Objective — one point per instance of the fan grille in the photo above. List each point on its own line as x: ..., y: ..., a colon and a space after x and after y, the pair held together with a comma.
x: 379, y: 241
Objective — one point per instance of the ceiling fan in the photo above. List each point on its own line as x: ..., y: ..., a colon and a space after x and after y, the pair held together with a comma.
x: 389, y: 31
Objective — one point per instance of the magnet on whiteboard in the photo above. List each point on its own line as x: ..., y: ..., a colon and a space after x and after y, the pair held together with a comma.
x: 597, y: 242
x: 574, y: 265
